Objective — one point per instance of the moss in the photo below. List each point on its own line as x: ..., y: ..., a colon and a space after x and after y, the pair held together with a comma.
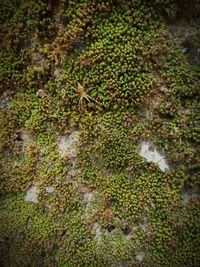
x: 112, y: 71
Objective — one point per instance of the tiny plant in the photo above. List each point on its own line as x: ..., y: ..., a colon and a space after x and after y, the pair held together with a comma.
x: 81, y: 91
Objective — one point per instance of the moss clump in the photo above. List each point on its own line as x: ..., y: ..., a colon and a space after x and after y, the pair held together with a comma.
x: 113, y: 73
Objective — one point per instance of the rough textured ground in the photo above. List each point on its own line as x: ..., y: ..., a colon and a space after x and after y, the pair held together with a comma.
x: 99, y: 133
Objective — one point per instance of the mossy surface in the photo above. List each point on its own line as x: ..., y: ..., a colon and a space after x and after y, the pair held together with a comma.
x: 82, y: 85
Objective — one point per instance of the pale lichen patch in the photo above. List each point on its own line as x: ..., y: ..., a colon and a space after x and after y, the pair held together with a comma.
x: 97, y: 232
x: 153, y: 156
x: 32, y: 193
x: 88, y: 197
x: 140, y: 256
x: 67, y: 145
x: 49, y: 189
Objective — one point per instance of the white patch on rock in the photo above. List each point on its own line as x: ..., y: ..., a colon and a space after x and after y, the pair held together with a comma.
x: 32, y: 193
x: 57, y: 73
x: 140, y: 256
x: 184, y: 50
x: 38, y: 60
x: 67, y: 145
x: 88, y: 197
x: 27, y: 140
x: 49, y: 189
x: 97, y: 230
x: 128, y: 237
x: 153, y: 156
x: 73, y: 172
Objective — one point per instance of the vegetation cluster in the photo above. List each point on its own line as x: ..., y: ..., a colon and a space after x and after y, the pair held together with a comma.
x: 113, y: 71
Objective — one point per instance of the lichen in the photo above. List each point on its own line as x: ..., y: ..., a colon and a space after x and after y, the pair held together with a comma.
x: 153, y: 156
x: 31, y: 195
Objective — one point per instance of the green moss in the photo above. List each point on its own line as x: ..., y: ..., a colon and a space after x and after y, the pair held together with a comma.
x: 113, y: 72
